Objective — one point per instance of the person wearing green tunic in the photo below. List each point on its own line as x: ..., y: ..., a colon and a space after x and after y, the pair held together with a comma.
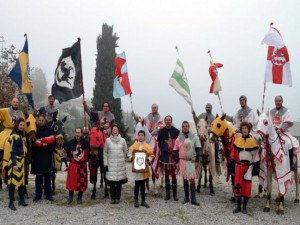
x: 186, y: 150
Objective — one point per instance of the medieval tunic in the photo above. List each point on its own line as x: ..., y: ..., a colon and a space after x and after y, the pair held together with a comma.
x: 18, y: 144
x: 153, y: 122
x: 102, y: 119
x: 166, y: 141
x: 187, y: 154
x: 244, y: 114
x: 50, y: 113
x: 78, y: 152
x: 139, y: 146
x: 42, y: 151
x: 244, y: 154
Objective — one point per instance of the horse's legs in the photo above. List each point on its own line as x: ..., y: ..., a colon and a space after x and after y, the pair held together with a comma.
x: 200, y: 176
x: 211, y: 185
x: 297, y: 199
x: 280, y: 209
x: 269, y: 191
x: 205, y: 176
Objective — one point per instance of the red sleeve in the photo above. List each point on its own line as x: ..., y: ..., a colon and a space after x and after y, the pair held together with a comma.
x: 49, y: 140
x: 39, y: 144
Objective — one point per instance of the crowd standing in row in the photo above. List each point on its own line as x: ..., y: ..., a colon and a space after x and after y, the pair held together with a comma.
x: 179, y: 151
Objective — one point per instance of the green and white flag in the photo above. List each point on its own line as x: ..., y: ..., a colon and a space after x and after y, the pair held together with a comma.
x: 180, y: 83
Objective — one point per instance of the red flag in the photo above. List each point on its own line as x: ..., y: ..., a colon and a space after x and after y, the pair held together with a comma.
x: 121, y: 82
x: 215, y: 87
x: 278, y: 61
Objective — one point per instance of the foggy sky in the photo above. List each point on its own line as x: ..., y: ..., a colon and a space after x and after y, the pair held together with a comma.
x: 149, y: 31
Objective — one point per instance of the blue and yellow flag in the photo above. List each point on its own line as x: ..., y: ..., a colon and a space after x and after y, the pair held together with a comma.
x: 20, y: 73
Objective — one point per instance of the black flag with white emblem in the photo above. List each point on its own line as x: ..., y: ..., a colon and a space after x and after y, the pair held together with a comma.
x: 68, y: 74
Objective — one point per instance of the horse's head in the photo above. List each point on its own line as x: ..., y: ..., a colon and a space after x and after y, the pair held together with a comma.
x: 202, y: 129
x: 219, y: 126
x: 59, y: 131
x: 265, y: 125
x: 30, y: 127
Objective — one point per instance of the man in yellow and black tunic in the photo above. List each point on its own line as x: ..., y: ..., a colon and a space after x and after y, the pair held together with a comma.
x: 8, y: 118
x: 17, y: 174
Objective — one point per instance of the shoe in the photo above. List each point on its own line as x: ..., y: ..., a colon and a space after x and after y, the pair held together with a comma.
x: 12, y: 206
x: 79, y: 198
x: 238, y: 207
x: 50, y: 199
x: 168, y: 187
x: 174, y: 188
x: 193, y: 195
x: 186, y: 193
x: 36, y: 199
x: 145, y: 204
x: 70, y: 199
x: 136, y: 203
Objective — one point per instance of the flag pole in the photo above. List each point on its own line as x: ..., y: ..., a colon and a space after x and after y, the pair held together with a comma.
x: 82, y: 87
x: 265, y: 88
x: 192, y: 107
x: 219, y: 97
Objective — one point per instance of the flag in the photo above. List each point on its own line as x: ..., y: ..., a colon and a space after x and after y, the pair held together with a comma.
x: 20, y: 73
x: 179, y: 82
x: 215, y: 86
x: 278, y: 62
x: 121, y: 82
x: 68, y: 74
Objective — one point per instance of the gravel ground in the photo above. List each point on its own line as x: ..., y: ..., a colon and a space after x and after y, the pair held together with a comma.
x: 215, y: 209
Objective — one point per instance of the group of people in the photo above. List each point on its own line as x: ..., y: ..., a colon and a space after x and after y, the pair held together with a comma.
x: 179, y: 152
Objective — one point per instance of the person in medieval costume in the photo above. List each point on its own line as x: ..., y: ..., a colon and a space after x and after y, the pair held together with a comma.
x: 105, y: 119
x: 140, y: 178
x: 78, y: 151
x: 8, y: 118
x: 245, y: 155
x: 115, y: 150
x: 186, y: 150
x: 166, y: 140
x: 244, y: 114
x: 17, y: 174
x: 50, y: 111
x: 42, y: 159
x: 282, y: 121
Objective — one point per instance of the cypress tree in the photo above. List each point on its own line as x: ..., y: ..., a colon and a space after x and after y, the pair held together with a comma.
x: 105, y: 74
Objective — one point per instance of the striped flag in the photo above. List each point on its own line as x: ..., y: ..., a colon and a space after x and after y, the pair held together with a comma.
x: 215, y: 86
x: 20, y: 73
x: 180, y: 83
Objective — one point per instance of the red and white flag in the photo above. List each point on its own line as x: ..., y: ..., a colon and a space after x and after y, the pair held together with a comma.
x: 278, y: 69
x: 215, y: 87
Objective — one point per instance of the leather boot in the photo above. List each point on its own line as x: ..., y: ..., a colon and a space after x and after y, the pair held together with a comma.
x: 145, y: 204
x: 244, y: 210
x: 79, y: 198
x: 238, y: 206
x: 193, y: 195
x: 186, y: 192
x: 168, y: 187
x: 118, y: 193
x: 174, y: 188
x: 70, y: 199
x: 21, y: 191
x: 136, y: 203
x: 11, y: 194
x: 112, y: 194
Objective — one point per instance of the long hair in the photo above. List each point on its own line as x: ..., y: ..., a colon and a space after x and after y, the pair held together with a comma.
x: 16, y: 129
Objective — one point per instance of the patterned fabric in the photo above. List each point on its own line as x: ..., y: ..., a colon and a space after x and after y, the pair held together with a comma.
x: 187, y: 154
x: 245, y: 155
